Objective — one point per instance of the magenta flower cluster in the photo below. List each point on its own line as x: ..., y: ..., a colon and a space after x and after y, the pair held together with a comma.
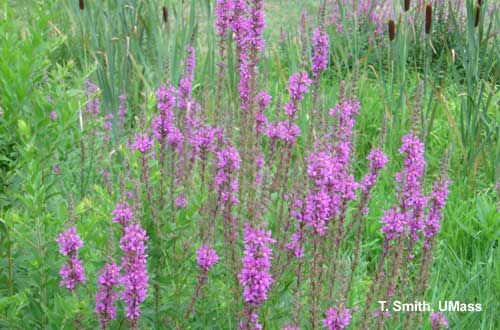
x: 226, y: 183
x: 135, y: 279
x: 438, y: 198
x: 163, y: 126
x: 438, y: 321
x: 255, y: 276
x: 143, y: 143
x: 107, y: 294
x: 122, y: 214
x: 287, y: 130
x: 321, y: 45
x: 206, y: 258
x: 72, y: 272
x: 377, y: 160
x: 337, y: 318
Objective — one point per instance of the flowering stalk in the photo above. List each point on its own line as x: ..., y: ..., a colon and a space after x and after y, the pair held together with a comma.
x: 438, y: 321
x: 377, y: 161
x: 135, y: 279
x: 337, y: 318
x: 205, y: 259
x: 255, y: 275
x: 106, y: 297
x: 227, y: 162
x: 72, y: 272
x: 223, y: 16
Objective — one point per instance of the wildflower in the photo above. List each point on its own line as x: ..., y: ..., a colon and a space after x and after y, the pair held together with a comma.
x: 122, y: 109
x: 109, y: 279
x: 181, y: 201
x: 53, y: 116
x: 186, y: 83
x: 93, y: 105
x: 142, y: 143
x: 413, y: 200
x: 69, y: 242
x: 297, y: 87
x: 438, y: 198
x: 290, y: 327
x: 223, y: 14
x: 438, y: 321
x: 263, y: 100
x: 255, y: 276
x: 72, y: 272
x: 135, y: 280
x: 227, y: 162
x: 321, y: 45
x: 377, y: 162
x: 206, y: 258
x: 337, y: 318
x: 393, y: 225
x: 123, y: 214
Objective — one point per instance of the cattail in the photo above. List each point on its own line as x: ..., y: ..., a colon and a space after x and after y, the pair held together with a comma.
x: 82, y: 4
x: 478, y: 14
x: 392, y: 30
x: 165, y: 14
x: 428, y: 18
x: 407, y: 5
x: 480, y: 2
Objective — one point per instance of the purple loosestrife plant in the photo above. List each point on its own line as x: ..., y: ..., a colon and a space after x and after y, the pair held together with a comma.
x: 135, y: 279
x: 438, y: 321
x: 321, y: 45
x: 206, y: 258
x: 93, y: 105
x: 227, y: 164
x: 72, y: 272
x: 337, y: 318
x: 432, y: 222
x: 123, y: 214
x: 290, y: 327
x: 107, y: 295
x: 255, y: 275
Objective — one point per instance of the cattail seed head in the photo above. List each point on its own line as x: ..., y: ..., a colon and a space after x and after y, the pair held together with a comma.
x: 428, y: 18
x: 82, y: 4
x: 165, y: 14
x: 392, y: 30
x: 407, y: 5
x: 478, y: 15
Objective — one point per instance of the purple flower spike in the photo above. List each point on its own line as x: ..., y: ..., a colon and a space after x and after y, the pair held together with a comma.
x: 107, y: 295
x: 321, y: 45
x: 377, y: 161
x: 123, y: 214
x: 255, y: 276
x: 143, y: 143
x: 337, y: 319
x: 206, y: 258
x: 72, y: 273
x: 297, y: 87
x: 69, y: 242
x: 135, y: 280
x: 438, y: 321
